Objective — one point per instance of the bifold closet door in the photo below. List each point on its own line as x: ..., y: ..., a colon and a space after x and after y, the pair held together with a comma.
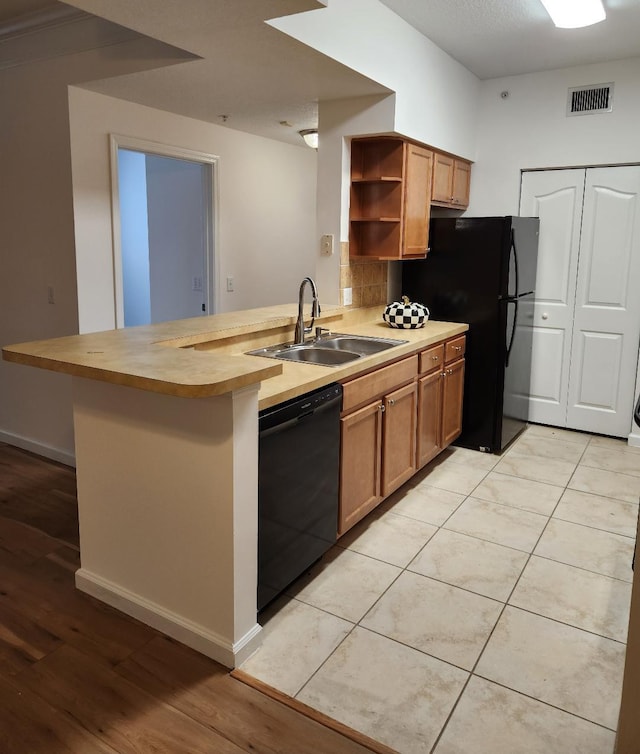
x: 586, y: 319
x: 555, y: 196
x: 606, y: 330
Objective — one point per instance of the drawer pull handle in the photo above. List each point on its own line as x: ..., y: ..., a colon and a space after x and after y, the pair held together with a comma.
x: 457, y: 348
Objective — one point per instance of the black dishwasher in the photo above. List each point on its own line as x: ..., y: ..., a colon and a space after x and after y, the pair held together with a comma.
x: 298, y: 477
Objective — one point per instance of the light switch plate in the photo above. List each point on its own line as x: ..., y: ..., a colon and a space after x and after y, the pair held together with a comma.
x: 326, y: 245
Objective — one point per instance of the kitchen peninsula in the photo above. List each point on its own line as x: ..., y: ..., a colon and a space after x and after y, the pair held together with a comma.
x: 166, y: 436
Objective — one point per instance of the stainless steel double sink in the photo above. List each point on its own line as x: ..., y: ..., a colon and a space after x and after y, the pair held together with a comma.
x: 332, y: 349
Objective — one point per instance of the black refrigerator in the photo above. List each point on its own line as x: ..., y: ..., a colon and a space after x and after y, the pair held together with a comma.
x: 482, y: 271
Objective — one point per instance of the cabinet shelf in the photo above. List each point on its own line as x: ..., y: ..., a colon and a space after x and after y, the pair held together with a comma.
x: 378, y: 179
x: 375, y: 219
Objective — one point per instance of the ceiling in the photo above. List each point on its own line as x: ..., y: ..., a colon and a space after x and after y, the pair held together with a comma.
x: 494, y: 38
x: 242, y: 68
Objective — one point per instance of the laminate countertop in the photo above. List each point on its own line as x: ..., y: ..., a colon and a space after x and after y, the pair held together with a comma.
x: 206, y: 356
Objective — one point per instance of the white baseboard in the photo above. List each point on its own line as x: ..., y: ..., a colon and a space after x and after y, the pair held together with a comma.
x: 55, y: 454
x: 634, y: 440
x: 197, y: 637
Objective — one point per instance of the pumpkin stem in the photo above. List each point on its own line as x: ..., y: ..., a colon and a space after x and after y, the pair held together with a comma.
x: 405, y: 300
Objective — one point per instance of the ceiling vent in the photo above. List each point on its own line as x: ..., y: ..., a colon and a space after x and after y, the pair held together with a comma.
x: 584, y: 100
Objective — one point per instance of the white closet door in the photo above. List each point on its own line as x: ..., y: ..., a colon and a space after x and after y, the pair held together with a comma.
x: 556, y: 197
x: 607, y: 314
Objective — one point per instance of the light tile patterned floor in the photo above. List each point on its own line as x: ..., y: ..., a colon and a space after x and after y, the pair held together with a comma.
x: 482, y: 609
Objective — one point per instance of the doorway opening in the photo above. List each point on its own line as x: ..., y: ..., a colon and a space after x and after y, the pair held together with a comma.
x: 163, y: 202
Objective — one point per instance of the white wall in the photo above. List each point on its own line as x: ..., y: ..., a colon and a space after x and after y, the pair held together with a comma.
x: 266, y: 230
x: 436, y: 97
x: 433, y: 99
x: 529, y: 129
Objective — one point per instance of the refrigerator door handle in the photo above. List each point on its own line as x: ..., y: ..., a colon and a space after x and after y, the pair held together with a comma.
x: 514, y: 253
x: 513, y: 301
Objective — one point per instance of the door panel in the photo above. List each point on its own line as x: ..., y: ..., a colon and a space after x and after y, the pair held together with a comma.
x: 607, y: 312
x: 597, y: 387
x: 556, y: 197
x: 547, y: 373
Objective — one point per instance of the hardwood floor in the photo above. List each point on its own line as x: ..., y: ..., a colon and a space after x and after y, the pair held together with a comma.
x: 77, y: 676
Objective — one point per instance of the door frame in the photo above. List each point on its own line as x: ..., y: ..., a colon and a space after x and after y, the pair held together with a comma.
x: 212, y: 263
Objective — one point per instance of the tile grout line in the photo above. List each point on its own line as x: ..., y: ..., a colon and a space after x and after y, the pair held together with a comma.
x: 505, y: 604
x: 530, y: 555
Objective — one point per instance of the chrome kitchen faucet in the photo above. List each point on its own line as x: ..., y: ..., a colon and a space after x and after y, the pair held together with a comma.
x: 301, y: 330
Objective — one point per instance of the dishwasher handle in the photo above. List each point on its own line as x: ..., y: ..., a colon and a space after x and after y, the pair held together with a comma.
x: 290, y: 413
x: 287, y: 424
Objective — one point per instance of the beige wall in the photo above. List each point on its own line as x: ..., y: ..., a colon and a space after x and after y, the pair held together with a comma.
x: 36, y: 251
x: 266, y: 204
x: 267, y: 238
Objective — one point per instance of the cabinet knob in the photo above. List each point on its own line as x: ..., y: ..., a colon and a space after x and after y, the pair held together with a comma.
x: 382, y: 407
x: 435, y: 358
x: 545, y: 316
x: 391, y: 402
x: 457, y: 348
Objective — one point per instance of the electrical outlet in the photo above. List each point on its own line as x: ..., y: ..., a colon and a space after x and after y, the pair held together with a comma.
x: 326, y: 245
x: 347, y: 296
x: 229, y: 283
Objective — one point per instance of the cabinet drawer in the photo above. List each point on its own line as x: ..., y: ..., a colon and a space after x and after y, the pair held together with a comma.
x: 374, y: 384
x: 454, y: 349
x: 432, y: 358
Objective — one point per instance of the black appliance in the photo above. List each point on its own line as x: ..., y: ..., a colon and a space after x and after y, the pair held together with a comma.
x: 298, y: 478
x: 482, y: 270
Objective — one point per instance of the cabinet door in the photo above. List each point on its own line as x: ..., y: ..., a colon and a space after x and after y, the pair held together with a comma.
x: 399, y: 437
x: 360, y: 464
x: 417, y: 200
x: 461, y: 183
x: 429, y: 431
x: 442, y: 178
x: 453, y: 382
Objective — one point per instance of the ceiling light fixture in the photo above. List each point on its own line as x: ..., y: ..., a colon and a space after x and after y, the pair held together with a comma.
x: 310, y: 136
x: 573, y: 14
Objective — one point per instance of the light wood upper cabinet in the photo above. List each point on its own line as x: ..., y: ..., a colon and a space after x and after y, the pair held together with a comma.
x: 390, y: 198
x: 451, y: 181
x: 417, y: 201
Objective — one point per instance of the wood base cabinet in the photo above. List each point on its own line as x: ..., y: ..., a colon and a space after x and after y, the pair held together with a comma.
x: 360, y: 464
x: 378, y: 430
x: 452, y: 393
x: 429, y: 417
x: 440, y: 393
x: 399, y: 438
x: 395, y: 420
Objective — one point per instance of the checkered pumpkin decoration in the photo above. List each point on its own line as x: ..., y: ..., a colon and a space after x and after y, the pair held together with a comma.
x: 405, y: 314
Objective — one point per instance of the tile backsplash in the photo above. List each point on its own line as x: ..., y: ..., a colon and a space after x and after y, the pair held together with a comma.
x: 367, y: 279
